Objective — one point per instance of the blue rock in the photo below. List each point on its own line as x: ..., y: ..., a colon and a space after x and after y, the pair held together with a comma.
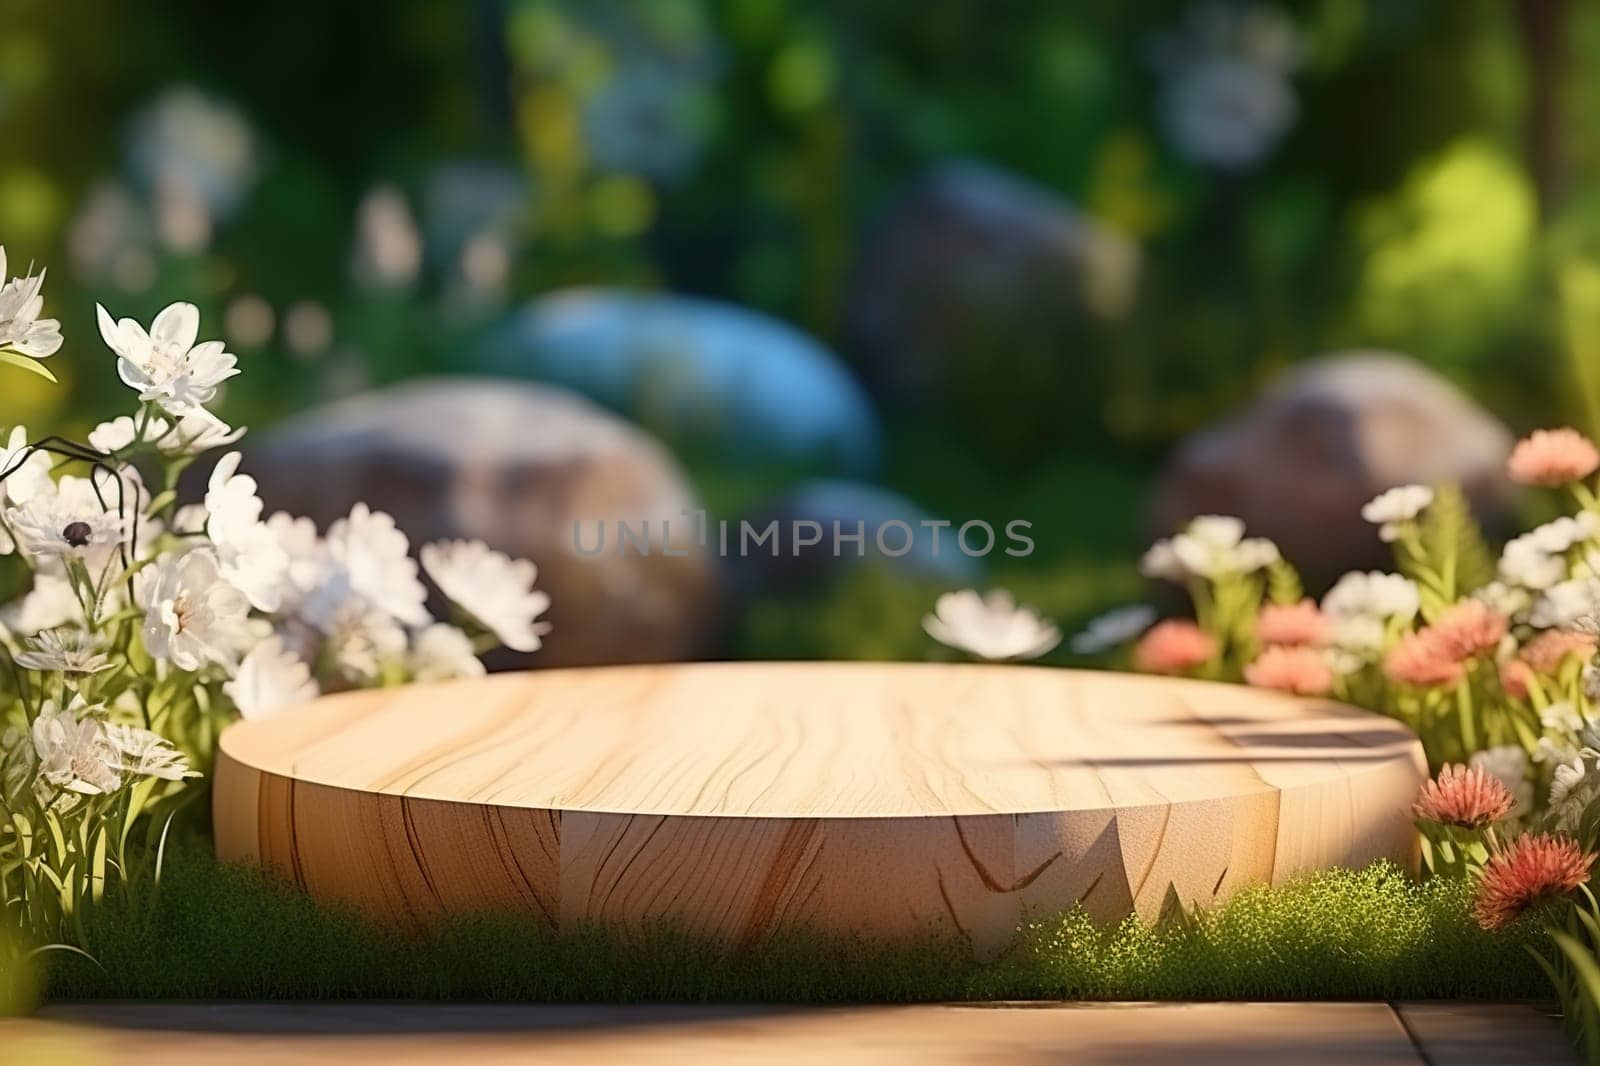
x: 696, y: 370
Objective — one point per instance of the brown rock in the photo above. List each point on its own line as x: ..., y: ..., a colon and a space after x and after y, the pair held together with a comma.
x: 1298, y: 464
x: 515, y: 465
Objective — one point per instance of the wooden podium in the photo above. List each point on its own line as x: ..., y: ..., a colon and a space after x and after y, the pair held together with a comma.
x: 885, y: 800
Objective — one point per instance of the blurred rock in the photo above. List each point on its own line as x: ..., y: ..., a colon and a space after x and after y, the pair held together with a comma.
x: 699, y: 371
x: 851, y: 504
x: 1298, y: 464
x: 516, y: 465
x: 987, y: 295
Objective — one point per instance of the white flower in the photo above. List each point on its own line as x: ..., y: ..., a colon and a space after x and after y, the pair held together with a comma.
x: 1160, y: 561
x: 364, y: 642
x: 21, y: 328
x: 1210, y: 547
x: 1524, y: 562
x: 1508, y: 764
x: 248, y: 553
x: 990, y: 627
x: 367, y: 559
x: 1508, y: 600
x: 66, y: 651
x: 270, y: 679
x: 197, y: 433
x: 1554, y: 750
x: 124, y: 430
x: 1374, y: 594
x: 1561, y: 717
x: 496, y: 590
x: 1393, y: 510
x: 71, y: 522
x: 1567, y: 604
x: 194, y: 617
x: 75, y: 753
x: 1566, y: 777
x: 441, y: 652
x: 145, y: 754
x: 24, y: 475
x: 1562, y: 534
x: 1117, y: 626
x: 307, y: 555
x: 166, y: 366
x: 1360, y: 634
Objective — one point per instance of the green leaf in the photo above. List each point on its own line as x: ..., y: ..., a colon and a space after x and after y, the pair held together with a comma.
x: 1283, y: 583
x: 1455, y: 560
x: 25, y: 363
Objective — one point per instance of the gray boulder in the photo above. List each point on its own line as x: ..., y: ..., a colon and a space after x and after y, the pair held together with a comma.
x: 1299, y: 462
x: 515, y: 465
x: 989, y: 296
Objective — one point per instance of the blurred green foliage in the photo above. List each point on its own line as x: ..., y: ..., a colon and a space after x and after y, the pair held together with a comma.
x: 1417, y: 174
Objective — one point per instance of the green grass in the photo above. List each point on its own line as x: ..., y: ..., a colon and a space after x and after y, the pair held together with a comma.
x: 218, y: 932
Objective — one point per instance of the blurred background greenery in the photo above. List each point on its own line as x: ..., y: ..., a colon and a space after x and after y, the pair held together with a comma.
x: 1169, y: 202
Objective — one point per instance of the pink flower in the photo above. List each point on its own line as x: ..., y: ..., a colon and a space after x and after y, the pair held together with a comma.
x: 1467, y: 798
x: 1301, y: 671
x: 1547, y: 652
x: 1417, y: 659
x: 1468, y: 628
x: 1516, y: 677
x: 1173, y: 647
x: 1531, y: 869
x: 1294, y: 624
x: 1553, y: 457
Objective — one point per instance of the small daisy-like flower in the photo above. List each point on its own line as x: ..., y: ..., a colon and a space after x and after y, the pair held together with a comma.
x: 65, y: 651
x: 145, y: 754
x: 1393, y: 511
x: 248, y: 553
x: 441, y: 652
x: 270, y: 679
x: 1211, y: 546
x: 1115, y: 627
x: 1533, y: 868
x: 75, y: 752
x: 1417, y: 659
x: 1553, y: 457
x: 1373, y: 594
x: 21, y: 328
x: 69, y: 522
x: 193, y: 617
x: 990, y: 627
x: 1175, y: 646
x: 1468, y: 629
x: 165, y: 365
x: 497, y: 591
x: 1300, y: 670
x: 368, y: 558
x: 1465, y: 797
x: 1294, y: 624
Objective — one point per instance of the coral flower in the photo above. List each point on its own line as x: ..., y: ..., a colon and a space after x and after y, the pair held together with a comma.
x: 1469, y: 798
x: 1302, y: 671
x: 1531, y: 869
x: 1172, y: 647
x: 1553, y: 457
x: 1516, y: 677
x: 1419, y: 660
x: 1468, y: 628
x: 1547, y: 652
x: 1294, y: 624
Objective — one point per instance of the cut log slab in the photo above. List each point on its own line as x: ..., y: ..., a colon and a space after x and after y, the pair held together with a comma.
x: 743, y: 799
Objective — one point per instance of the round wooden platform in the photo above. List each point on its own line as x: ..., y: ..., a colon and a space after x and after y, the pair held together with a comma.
x: 743, y: 798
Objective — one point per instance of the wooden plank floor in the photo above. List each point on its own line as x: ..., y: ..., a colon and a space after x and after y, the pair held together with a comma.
x: 1197, y: 1034
x: 740, y: 799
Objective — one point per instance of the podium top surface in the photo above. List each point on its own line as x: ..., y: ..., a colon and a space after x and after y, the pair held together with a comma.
x: 822, y: 740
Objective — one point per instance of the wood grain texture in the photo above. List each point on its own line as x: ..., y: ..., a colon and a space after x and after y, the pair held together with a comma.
x: 741, y: 799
